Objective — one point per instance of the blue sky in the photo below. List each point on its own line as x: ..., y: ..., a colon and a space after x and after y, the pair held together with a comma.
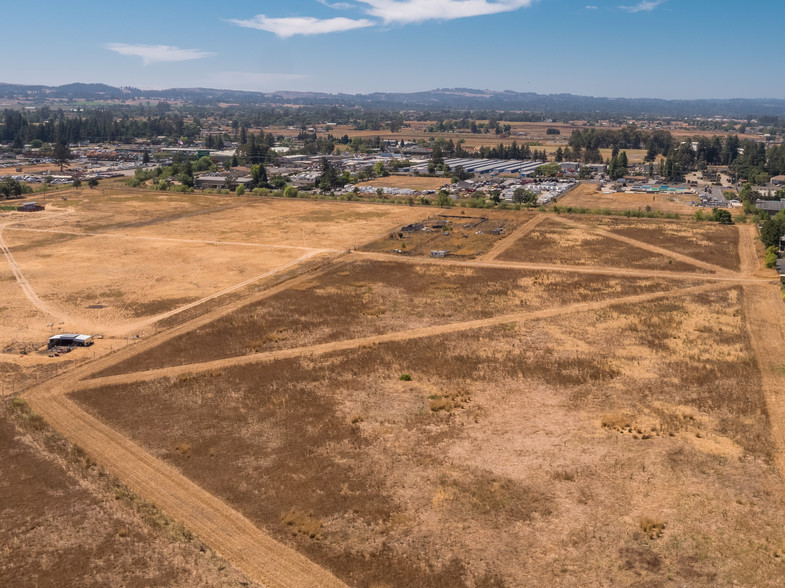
x: 621, y: 48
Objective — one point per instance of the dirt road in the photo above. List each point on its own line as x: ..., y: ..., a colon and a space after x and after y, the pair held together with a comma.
x: 764, y: 312
x: 727, y: 276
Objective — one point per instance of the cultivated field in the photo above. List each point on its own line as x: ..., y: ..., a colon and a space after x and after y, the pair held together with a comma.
x: 578, y: 399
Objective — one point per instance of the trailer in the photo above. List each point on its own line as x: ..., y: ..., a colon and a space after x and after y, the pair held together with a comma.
x: 70, y: 340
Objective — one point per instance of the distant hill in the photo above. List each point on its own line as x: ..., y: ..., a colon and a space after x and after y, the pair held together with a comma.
x: 440, y: 99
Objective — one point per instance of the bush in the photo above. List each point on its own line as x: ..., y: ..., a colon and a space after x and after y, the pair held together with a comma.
x: 290, y: 192
x: 405, y: 378
x: 240, y: 190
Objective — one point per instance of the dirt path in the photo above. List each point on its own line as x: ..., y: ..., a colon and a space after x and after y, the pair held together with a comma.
x: 512, y: 238
x: 571, y: 269
x: 323, y: 348
x: 748, y: 249
x: 27, y: 289
x: 226, y: 531
x: 646, y: 247
x: 764, y: 312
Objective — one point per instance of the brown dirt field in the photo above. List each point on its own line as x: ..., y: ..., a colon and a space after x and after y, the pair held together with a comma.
x: 192, y: 245
x: 66, y: 523
x: 467, y: 234
x: 105, y: 273
x: 573, y: 244
x: 406, y: 182
x: 492, y: 466
x: 705, y: 241
x: 588, y: 196
x: 368, y: 298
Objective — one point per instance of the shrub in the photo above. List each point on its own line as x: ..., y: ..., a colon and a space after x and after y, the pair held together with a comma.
x: 405, y: 378
x: 652, y: 527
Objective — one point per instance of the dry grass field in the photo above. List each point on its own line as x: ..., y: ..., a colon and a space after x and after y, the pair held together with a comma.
x: 704, y: 241
x: 589, y: 196
x: 66, y: 523
x: 574, y: 240
x: 365, y: 298
x: 581, y: 400
x: 106, y: 260
x: 637, y: 453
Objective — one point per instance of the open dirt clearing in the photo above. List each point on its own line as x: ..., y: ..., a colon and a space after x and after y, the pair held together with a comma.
x: 462, y: 234
x: 412, y: 482
x: 588, y: 196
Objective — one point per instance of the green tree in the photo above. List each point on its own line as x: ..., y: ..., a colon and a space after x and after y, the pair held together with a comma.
x: 290, y: 192
x: 723, y: 216
x: 329, y: 178
x: 61, y: 153
x: 443, y: 199
x: 258, y: 175
x: 240, y: 190
x: 524, y: 196
x: 92, y: 182
x: 772, y: 230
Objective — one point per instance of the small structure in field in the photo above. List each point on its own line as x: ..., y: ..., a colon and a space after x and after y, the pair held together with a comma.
x: 70, y: 340
x: 440, y: 253
x: 29, y: 207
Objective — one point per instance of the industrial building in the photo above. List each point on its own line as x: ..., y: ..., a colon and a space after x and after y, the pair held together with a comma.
x: 487, y: 166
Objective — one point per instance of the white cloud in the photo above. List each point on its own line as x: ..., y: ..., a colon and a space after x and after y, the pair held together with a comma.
x: 301, y: 25
x: 592, y: 7
x: 157, y: 53
x: 410, y: 11
x: 252, y: 81
x: 336, y: 5
x: 643, y: 6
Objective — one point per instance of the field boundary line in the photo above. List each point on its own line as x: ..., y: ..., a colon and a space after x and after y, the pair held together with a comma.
x: 396, y: 336
x: 511, y: 239
x: 172, y: 239
x: 647, y: 247
x: 575, y: 269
